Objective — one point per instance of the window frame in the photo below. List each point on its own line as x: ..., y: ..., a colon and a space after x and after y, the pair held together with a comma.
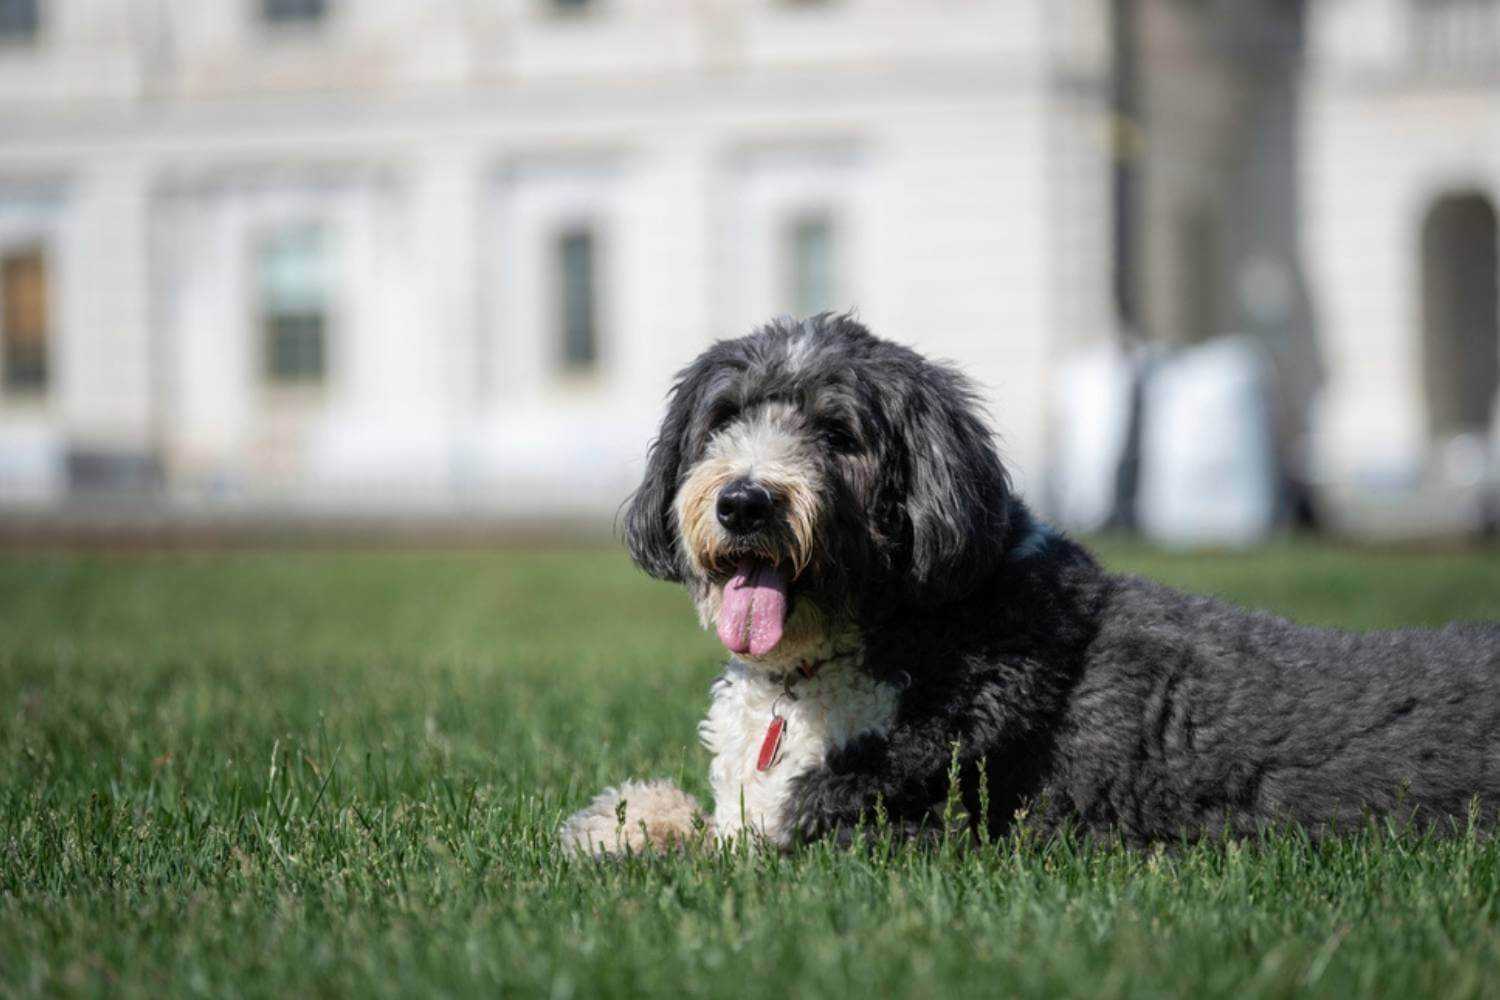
x: 563, y: 358
x: 263, y: 317
x: 42, y: 388
x: 292, y: 25
x: 571, y: 10
x: 793, y: 226
x: 29, y: 39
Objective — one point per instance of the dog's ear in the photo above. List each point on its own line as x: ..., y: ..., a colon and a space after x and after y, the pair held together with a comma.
x: 957, y: 495
x: 650, y: 526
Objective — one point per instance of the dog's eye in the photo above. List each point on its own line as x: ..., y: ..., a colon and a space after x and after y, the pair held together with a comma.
x: 720, y: 415
x: 837, y: 438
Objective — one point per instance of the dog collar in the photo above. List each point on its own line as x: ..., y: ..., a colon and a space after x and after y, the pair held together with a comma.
x: 770, y: 745
x: 807, y: 670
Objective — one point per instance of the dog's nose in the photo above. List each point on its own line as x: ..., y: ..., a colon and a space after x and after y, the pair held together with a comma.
x: 744, y: 507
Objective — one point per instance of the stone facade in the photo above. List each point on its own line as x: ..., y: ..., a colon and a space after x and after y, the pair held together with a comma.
x: 1400, y: 178
x: 469, y: 174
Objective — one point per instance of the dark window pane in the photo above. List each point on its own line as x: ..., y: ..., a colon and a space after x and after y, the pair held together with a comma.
x: 578, y: 308
x: 19, y: 20
x: 296, y: 347
x: 1461, y: 313
x: 294, y: 10
x: 23, y: 309
x: 811, y: 258
x: 572, y: 6
x: 293, y: 279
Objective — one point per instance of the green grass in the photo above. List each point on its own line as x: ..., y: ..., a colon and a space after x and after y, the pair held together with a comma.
x: 280, y: 774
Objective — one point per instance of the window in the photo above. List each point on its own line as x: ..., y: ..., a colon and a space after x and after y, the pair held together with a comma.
x: 20, y: 20
x: 578, y: 308
x: 23, y: 309
x: 810, y: 255
x: 1461, y: 312
x: 294, y: 11
x: 571, y: 6
x: 293, y: 286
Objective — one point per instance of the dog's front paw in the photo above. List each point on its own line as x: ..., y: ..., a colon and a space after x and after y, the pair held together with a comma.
x: 638, y: 816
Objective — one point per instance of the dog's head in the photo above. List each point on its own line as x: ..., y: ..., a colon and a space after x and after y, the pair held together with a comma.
x: 809, y: 476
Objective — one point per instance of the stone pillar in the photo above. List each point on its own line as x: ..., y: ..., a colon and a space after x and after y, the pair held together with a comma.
x: 104, y: 350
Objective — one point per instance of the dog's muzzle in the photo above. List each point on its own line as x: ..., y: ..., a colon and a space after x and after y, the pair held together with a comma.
x: 754, y: 609
x: 745, y: 507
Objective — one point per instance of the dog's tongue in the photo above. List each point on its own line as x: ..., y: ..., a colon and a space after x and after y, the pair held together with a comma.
x: 754, y: 609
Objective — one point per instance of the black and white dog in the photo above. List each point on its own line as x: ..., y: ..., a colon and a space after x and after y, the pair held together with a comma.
x: 837, y: 509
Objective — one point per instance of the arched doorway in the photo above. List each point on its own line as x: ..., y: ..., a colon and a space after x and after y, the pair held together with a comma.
x: 1460, y: 314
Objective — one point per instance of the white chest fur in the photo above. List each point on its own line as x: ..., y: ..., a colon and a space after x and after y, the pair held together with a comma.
x: 839, y: 703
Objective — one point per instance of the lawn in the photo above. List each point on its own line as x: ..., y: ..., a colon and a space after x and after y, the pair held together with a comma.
x: 326, y: 773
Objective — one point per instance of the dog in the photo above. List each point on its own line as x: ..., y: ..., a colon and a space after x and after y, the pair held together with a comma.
x: 895, y: 616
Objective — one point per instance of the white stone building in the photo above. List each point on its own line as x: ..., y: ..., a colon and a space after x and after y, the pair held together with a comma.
x: 1400, y: 181
x: 444, y: 256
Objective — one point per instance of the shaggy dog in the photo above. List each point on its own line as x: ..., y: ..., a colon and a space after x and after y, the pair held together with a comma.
x: 837, y: 510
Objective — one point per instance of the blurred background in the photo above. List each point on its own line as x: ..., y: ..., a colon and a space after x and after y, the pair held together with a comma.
x: 1221, y: 267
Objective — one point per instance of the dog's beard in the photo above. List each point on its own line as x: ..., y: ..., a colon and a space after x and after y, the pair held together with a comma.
x: 807, y: 631
x: 747, y: 590
x: 712, y: 552
x: 753, y: 608
x: 762, y: 609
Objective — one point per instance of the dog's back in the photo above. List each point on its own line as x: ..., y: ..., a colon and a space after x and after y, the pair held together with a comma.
x: 1191, y: 715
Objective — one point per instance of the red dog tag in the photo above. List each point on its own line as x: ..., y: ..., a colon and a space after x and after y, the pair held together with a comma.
x: 770, y: 744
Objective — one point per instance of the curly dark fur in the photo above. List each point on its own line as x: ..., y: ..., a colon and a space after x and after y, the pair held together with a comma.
x: 1105, y: 702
